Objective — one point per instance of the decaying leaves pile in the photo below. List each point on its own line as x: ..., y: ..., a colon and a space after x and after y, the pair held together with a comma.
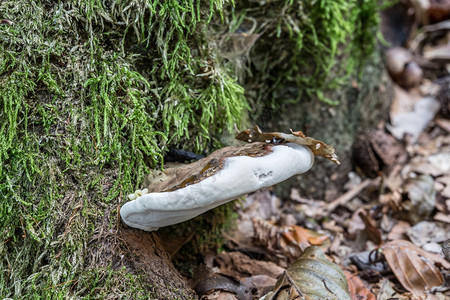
x: 389, y: 230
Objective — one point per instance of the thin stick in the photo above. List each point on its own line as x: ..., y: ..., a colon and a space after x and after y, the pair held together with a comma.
x: 347, y: 196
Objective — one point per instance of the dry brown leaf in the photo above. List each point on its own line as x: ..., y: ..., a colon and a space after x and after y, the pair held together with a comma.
x: 439, y: 10
x: 387, y: 292
x: 410, y: 113
x: 220, y: 295
x: 319, y: 148
x: 413, y: 266
x: 441, y: 217
x: 440, y: 52
x: 371, y: 229
x: 261, y: 283
x: 358, y: 290
x: 356, y: 223
x: 288, y: 240
x: 445, y: 180
x: 174, y: 178
x: 428, y: 232
x: 422, y: 165
x: 222, y: 286
x: 391, y: 201
x: 369, y: 260
x: 398, y: 232
x: 361, y: 220
x: 443, y: 123
x: 421, y: 198
x: 240, y: 265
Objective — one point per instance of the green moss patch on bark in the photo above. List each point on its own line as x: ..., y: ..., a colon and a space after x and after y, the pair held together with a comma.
x: 91, y: 94
x: 294, y: 49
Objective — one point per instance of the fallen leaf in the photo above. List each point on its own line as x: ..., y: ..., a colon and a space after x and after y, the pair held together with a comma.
x: 439, y: 10
x: 358, y: 290
x: 386, y: 147
x: 220, y: 295
x: 439, y: 52
x: 261, y: 283
x: 432, y: 248
x: 369, y: 260
x: 398, y: 232
x: 441, y: 217
x: 240, y: 265
x: 296, y: 234
x: 411, y: 116
x: 223, y: 283
x: 422, y: 165
x: 443, y: 123
x: 262, y: 203
x: 313, y: 277
x: 387, y: 291
x: 414, y: 267
x: 441, y: 161
x: 421, y: 198
x: 356, y: 223
x: 428, y: 232
x: 317, y: 147
x: 445, y: 180
x: 288, y: 240
x: 370, y: 227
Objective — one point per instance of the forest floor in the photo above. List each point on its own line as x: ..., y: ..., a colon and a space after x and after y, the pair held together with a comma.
x: 389, y: 228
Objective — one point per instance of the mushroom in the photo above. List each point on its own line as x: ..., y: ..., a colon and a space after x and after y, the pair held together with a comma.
x: 402, y: 67
x: 224, y: 175
x: 240, y: 175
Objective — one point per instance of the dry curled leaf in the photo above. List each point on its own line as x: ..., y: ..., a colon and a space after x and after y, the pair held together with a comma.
x: 319, y: 148
x: 410, y: 113
x: 178, y: 177
x: 414, y: 267
x: 311, y: 277
x: 240, y: 265
x: 372, y: 231
x: 289, y: 240
x: 222, y: 283
x: 260, y: 285
x: 358, y: 290
x: 421, y: 198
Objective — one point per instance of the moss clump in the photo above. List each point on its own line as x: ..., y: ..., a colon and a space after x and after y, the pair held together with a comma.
x: 91, y: 95
x: 93, y: 92
x: 298, y: 49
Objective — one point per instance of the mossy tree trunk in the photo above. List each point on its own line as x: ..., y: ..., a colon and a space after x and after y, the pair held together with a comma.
x: 92, y: 93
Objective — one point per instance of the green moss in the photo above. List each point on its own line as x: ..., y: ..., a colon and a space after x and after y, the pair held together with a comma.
x: 304, y: 48
x: 92, y: 93
x: 105, y: 283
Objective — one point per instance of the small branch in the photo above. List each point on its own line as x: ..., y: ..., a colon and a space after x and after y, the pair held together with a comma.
x: 347, y: 196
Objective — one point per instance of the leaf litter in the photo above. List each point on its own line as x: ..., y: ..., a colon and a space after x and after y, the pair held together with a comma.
x: 388, y: 229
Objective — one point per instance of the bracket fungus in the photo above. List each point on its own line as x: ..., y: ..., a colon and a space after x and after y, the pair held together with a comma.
x: 179, y: 194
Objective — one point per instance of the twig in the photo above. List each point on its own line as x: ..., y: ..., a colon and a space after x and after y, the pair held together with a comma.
x: 347, y: 196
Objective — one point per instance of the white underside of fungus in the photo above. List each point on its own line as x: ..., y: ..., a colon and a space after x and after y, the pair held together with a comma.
x: 240, y: 175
